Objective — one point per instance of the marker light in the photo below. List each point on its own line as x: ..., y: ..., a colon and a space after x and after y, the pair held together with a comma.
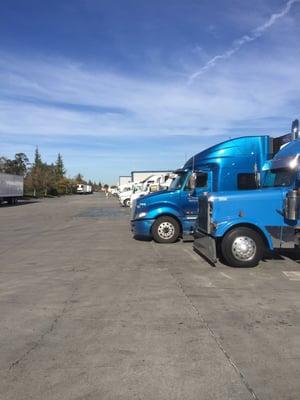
x: 141, y: 215
x: 293, y: 164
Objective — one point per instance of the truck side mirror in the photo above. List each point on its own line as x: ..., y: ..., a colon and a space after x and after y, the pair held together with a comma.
x: 192, y: 182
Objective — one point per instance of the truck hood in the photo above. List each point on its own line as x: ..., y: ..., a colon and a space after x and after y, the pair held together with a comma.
x: 156, y: 196
x: 263, y: 205
x: 126, y: 194
x: 237, y: 195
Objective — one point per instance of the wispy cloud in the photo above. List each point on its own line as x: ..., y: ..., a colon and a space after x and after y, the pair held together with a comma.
x: 57, y: 98
x: 238, y: 44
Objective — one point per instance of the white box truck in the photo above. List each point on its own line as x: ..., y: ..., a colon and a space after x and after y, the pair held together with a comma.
x: 84, y: 189
x: 11, y: 188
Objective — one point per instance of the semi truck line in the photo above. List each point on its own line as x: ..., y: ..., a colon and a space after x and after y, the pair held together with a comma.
x: 237, y: 199
x: 235, y: 164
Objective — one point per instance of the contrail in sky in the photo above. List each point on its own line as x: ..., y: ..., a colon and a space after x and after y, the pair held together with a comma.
x: 255, y: 34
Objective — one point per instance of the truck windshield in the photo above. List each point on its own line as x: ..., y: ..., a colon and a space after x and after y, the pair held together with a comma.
x: 178, y: 181
x: 279, y: 177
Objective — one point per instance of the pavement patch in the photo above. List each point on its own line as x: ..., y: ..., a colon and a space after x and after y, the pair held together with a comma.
x: 105, y: 213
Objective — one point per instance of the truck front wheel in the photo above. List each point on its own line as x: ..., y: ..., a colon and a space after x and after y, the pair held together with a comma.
x: 127, y: 203
x: 165, y: 230
x: 242, y: 247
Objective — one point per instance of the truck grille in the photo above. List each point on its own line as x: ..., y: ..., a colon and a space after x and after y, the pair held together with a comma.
x: 203, y: 220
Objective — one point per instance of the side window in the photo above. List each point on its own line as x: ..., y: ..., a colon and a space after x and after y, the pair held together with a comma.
x: 197, y: 181
x: 246, y: 181
x: 201, y: 180
x: 285, y: 178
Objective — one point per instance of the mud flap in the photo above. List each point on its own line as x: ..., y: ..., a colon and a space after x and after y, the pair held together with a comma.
x: 206, y: 246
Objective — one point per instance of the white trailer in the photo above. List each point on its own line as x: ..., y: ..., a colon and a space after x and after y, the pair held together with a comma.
x: 84, y: 189
x: 124, y: 180
x: 11, y: 188
x: 141, y: 176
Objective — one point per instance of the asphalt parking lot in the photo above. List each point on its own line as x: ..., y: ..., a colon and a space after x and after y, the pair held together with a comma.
x: 89, y: 313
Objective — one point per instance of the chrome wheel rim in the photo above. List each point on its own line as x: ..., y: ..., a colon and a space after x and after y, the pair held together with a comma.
x: 166, y: 230
x: 244, y: 248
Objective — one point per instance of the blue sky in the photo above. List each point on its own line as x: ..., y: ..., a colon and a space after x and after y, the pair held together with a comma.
x: 122, y: 85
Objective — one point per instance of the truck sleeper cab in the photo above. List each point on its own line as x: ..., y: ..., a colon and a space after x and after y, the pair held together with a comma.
x: 238, y: 227
x: 231, y: 165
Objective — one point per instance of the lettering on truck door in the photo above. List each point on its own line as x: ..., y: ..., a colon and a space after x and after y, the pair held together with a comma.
x: 197, y: 184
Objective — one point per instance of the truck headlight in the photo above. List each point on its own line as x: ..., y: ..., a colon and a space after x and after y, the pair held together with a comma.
x: 141, y: 215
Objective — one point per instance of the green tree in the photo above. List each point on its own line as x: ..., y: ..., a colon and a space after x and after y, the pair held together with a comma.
x: 62, y: 183
x: 48, y: 179
x: 37, y: 171
x: 3, y: 164
x: 16, y: 166
x: 21, y: 162
x: 59, y: 166
x: 37, y: 158
x: 79, y: 178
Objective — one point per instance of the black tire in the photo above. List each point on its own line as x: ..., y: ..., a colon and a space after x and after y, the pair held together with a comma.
x: 127, y: 203
x: 165, y: 230
x: 242, y: 247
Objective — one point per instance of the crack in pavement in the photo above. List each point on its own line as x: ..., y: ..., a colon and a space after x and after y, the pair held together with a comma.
x: 46, y: 333
x: 211, y: 331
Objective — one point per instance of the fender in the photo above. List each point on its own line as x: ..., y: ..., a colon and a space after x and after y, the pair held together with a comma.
x: 224, y: 227
x: 162, y: 208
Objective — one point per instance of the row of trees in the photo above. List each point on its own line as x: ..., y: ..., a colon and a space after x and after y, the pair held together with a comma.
x: 42, y: 179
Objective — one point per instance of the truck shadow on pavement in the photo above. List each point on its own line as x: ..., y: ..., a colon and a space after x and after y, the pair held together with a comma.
x: 141, y: 238
x: 20, y: 203
x: 275, y: 255
x: 292, y: 254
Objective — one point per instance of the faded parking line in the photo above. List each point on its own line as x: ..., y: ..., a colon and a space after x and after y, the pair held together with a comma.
x: 226, y: 276
x: 292, y: 275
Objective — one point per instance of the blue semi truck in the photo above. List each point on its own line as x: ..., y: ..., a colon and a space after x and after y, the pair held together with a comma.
x: 231, y: 165
x: 239, y: 227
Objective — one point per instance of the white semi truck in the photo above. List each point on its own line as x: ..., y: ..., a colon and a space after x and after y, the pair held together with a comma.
x: 153, y: 184
x: 126, y: 192
x: 11, y: 188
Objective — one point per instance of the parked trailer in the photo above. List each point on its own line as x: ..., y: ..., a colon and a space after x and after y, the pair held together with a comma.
x: 124, y: 180
x: 11, y: 188
x: 84, y: 189
x: 141, y: 176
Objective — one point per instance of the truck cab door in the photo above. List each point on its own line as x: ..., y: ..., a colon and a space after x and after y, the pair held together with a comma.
x: 192, y: 191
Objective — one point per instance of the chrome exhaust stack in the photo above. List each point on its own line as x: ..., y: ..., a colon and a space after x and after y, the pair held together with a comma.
x: 292, y: 202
